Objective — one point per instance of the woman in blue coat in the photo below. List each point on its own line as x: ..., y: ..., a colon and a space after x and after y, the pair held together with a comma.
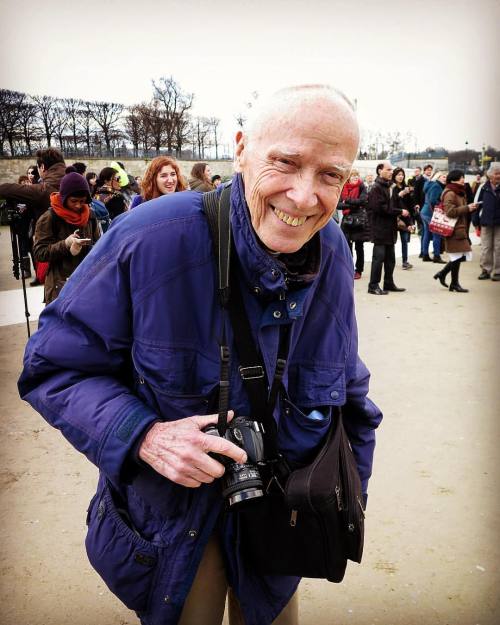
x: 432, y: 189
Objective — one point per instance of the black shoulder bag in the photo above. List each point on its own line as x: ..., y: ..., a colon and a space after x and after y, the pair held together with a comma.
x: 309, y: 521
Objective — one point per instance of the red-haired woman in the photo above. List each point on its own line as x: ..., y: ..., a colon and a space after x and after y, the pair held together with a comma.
x: 162, y: 177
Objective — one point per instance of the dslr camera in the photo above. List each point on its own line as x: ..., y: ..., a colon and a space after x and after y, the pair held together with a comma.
x: 241, y: 482
x: 13, y: 212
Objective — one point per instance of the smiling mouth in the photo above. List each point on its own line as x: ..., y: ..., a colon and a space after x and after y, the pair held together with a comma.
x: 288, y: 219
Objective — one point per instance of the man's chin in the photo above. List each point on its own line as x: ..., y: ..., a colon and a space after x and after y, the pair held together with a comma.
x: 280, y: 245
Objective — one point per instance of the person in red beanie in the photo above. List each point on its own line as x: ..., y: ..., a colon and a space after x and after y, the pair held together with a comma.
x: 65, y: 233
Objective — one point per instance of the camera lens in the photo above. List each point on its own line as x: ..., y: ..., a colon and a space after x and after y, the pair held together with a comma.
x: 241, y: 482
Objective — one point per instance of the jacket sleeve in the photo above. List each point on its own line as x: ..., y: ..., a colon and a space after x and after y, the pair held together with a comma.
x: 434, y: 195
x: 361, y: 415
x: 451, y: 208
x: 46, y: 247
x: 28, y: 193
x: 77, y: 366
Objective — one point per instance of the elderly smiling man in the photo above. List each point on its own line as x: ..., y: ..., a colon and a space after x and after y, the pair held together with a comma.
x: 134, y: 386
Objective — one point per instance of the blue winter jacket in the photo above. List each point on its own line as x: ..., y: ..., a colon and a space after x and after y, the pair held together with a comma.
x: 432, y: 190
x: 133, y: 338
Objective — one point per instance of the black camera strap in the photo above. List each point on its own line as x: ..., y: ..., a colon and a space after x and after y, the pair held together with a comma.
x: 252, y: 369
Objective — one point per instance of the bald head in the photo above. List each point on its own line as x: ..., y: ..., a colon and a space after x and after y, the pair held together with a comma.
x: 295, y: 156
x: 290, y: 101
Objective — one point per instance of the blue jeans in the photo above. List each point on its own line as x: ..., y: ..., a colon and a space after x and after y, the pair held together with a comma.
x: 405, y: 238
x: 427, y: 235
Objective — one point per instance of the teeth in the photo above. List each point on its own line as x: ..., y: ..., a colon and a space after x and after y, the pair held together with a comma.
x: 288, y: 219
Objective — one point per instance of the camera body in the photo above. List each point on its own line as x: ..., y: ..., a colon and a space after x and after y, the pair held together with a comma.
x: 242, y: 482
x: 14, y: 212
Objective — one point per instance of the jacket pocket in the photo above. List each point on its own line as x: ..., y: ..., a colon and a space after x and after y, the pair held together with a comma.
x: 310, y: 386
x: 177, y: 383
x: 300, y: 433
x: 306, y: 409
x: 126, y: 562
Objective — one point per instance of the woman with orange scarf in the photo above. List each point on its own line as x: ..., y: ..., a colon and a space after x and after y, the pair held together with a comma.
x: 65, y: 233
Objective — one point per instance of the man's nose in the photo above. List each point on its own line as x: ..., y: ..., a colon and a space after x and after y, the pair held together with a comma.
x: 303, y: 192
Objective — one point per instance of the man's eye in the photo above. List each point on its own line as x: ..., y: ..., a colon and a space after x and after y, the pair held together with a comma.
x: 333, y: 176
x: 285, y: 161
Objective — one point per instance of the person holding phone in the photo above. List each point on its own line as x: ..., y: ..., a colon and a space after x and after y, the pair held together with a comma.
x: 65, y: 233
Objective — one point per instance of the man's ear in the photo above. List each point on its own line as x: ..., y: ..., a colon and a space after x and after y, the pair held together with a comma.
x: 239, y: 154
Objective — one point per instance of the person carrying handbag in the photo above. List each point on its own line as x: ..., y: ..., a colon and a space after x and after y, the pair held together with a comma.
x: 458, y: 245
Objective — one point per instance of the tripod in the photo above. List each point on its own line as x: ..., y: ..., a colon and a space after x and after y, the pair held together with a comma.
x: 19, y: 262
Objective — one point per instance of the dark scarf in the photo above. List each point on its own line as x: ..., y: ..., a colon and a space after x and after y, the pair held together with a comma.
x: 351, y: 190
x: 302, y: 266
x: 459, y: 189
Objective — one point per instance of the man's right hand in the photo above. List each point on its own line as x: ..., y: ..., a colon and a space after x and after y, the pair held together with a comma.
x: 178, y: 450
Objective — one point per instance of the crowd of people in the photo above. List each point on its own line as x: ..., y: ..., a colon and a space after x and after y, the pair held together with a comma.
x: 65, y: 209
x: 378, y: 209
x: 374, y: 209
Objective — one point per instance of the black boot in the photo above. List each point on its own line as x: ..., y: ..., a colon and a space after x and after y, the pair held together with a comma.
x: 455, y: 269
x: 441, y: 275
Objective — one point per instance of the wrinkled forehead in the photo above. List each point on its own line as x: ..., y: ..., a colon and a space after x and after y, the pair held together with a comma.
x: 329, y: 124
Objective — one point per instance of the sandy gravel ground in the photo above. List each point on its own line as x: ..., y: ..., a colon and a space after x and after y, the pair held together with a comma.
x: 431, y: 552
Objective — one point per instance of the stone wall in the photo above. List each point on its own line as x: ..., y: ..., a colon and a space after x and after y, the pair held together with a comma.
x: 12, y: 168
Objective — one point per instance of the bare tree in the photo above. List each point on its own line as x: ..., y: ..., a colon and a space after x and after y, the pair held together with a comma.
x: 107, y: 115
x: 28, y: 123
x: 132, y: 127
x: 60, y: 123
x: 71, y: 107
x: 86, y: 123
x: 47, y: 112
x: 156, y: 124
x: 214, y: 125
x: 201, y: 133
x: 176, y: 104
x: 182, y: 132
x: 10, y: 105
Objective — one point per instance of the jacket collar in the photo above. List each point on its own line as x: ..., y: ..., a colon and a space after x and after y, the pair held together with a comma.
x: 384, y: 183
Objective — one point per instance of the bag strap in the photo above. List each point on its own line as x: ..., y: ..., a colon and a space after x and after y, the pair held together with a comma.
x: 218, y: 214
x: 252, y: 369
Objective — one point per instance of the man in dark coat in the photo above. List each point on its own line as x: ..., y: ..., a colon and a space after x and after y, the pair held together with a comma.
x: 36, y: 197
x: 384, y: 231
x: 489, y: 220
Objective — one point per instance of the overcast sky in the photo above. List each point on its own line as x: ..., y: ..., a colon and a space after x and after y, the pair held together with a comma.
x: 426, y: 68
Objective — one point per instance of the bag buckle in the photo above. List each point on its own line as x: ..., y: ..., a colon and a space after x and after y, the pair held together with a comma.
x: 224, y: 353
x: 251, y: 373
